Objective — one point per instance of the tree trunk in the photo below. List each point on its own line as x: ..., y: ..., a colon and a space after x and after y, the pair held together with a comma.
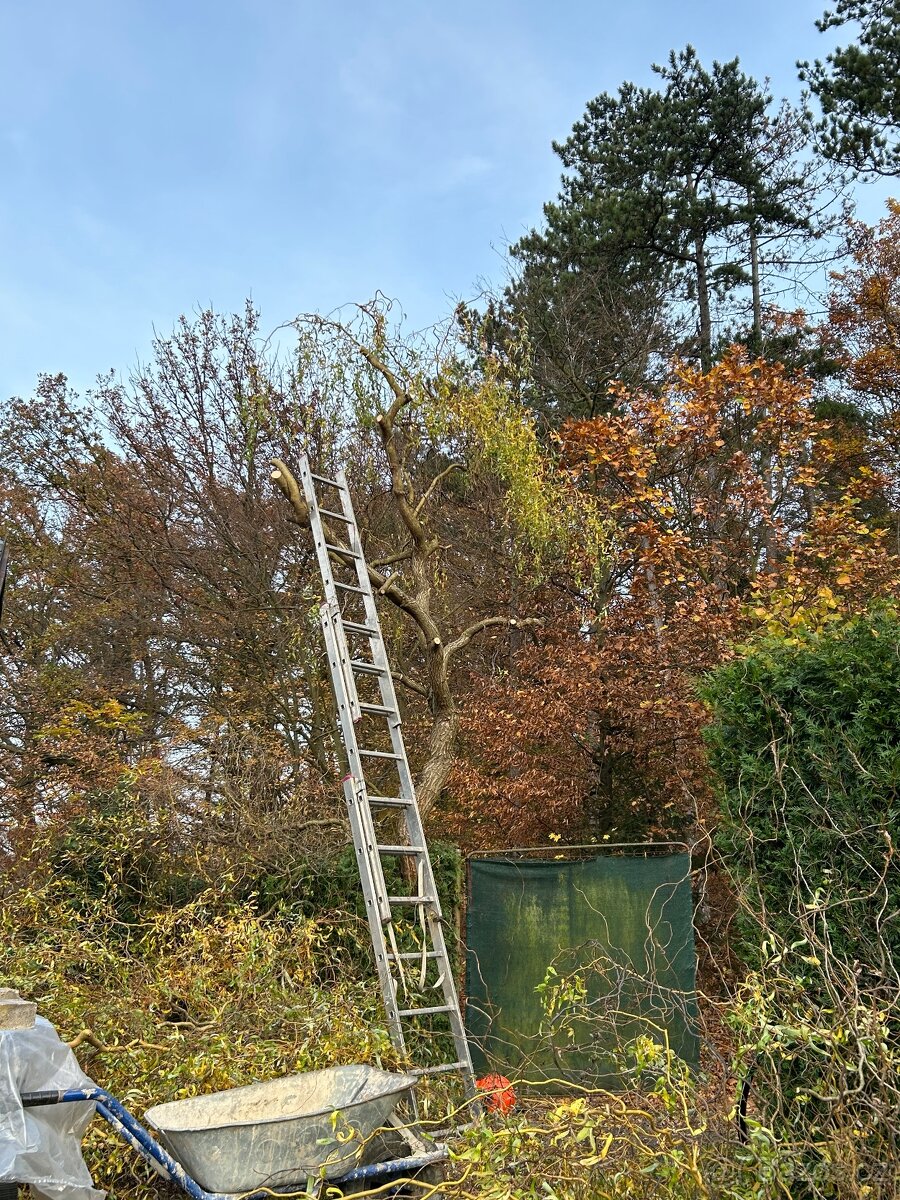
x: 440, y: 758
x: 513, y: 647
x: 757, y: 345
x: 702, y: 274
x: 703, y: 305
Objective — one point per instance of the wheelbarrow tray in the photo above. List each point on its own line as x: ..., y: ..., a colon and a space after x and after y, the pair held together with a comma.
x: 281, y: 1132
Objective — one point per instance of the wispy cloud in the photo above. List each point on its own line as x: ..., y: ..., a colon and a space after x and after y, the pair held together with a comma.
x: 456, y: 173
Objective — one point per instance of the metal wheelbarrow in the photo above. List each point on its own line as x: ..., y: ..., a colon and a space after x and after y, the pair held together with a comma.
x: 275, y: 1136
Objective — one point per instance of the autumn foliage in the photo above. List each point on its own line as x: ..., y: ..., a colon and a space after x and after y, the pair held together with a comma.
x: 721, y: 490
x: 632, y: 526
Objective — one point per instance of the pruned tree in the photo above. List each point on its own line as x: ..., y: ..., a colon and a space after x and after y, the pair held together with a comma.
x: 444, y: 434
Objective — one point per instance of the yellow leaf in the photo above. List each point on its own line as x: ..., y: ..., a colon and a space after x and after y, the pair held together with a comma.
x: 596, y: 1158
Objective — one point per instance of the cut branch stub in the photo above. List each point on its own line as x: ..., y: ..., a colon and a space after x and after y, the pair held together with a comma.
x: 290, y: 489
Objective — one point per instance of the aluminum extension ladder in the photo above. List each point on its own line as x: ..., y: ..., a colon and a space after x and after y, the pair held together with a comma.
x: 368, y: 713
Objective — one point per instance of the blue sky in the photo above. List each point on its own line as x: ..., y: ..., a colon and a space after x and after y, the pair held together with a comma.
x: 160, y: 156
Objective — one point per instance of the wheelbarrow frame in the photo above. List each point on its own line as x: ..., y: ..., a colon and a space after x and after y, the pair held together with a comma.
x: 132, y: 1131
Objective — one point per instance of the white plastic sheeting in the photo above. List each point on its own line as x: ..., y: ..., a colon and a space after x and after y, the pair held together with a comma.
x: 42, y: 1146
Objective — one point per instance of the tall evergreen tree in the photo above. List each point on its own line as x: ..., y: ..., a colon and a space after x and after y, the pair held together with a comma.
x: 660, y: 186
x: 858, y: 87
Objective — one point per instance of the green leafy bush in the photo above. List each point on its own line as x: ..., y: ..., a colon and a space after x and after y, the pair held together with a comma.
x: 805, y: 740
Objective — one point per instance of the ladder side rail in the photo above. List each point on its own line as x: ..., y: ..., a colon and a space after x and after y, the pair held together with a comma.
x: 318, y: 532
x: 367, y: 847
x: 342, y: 650
x: 378, y: 910
x: 376, y: 928
x: 451, y: 999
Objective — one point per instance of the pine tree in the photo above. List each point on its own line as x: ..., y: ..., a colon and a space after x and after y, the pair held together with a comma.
x: 666, y: 192
x: 858, y: 87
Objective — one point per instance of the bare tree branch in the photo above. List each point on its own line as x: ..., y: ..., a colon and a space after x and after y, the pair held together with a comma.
x: 401, y: 396
x: 411, y: 684
x: 454, y: 466
x: 402, y: 556
x: 463, y: 639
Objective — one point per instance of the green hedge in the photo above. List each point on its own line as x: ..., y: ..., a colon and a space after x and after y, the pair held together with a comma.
x: 805, y: 740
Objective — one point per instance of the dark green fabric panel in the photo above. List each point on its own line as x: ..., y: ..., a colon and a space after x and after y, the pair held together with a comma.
x: 632, y: 915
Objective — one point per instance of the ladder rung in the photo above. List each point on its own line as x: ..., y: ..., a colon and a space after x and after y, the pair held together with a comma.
x: 335, y: 516
x: 391, y: 802
x: 457, y: 1066
x: 378, y: 710
x: 366, y: 668
x: 355, y: 627
x: 328, y: 482
x: 412, y: 955
x: 411, y: 900
x: 350, y: 587
x: 380, y: 754
x: 401, y: 849
x: 345, y: 550
x: 424, y: 1012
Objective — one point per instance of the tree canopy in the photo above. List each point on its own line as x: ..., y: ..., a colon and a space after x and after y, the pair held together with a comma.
x: 858, y: 87
x: 667, y: 196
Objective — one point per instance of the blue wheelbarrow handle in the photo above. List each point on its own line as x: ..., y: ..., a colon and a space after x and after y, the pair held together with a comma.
x: 127, y: 1127
x: 133, y: 1132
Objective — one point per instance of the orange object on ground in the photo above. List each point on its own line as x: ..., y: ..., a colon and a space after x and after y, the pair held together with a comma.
x: 499, y: 1096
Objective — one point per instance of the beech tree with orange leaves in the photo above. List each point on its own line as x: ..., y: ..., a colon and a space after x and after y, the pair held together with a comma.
x: 863, y: 331
x: 718, y: 491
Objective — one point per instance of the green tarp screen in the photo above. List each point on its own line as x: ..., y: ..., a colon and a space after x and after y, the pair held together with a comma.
x: 618, y: 927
